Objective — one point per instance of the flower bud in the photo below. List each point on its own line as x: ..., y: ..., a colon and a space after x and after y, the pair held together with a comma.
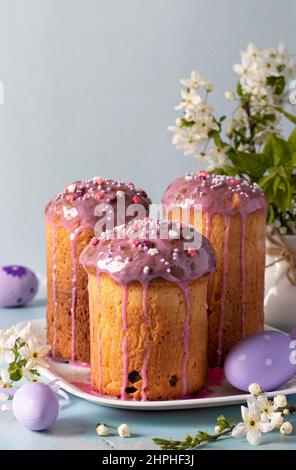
x: 102, y: 430
x: 280, y: 400
x: 123, y: 430
x: 255, y: 389
x: 286, y: 428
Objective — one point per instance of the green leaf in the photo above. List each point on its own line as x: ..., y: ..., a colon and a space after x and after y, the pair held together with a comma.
x: 226, y: 170
x: 276, y: 149
x: 217, y: 138
x: 281, y: 67
x: 289, y: 116
x: 278, y: 83
x: 185, y: 123
x: 270, y: 215
x: 276, y: 183
x: 254, y: 165
x: 292, y: 139
x: 239, y: 89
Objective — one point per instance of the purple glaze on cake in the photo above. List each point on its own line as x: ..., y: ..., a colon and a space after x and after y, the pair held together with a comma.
x: 218, y: 194
x: 74, y: 209
x: 75, y: 206
x: 137, y: 252
x: 144, y: 259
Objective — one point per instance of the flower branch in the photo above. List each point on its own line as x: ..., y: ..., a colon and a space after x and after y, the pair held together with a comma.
x: 260, y: 416
x: 255, y: 147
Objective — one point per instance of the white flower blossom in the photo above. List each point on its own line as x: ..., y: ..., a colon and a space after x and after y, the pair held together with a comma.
x: 189, y: 97
x: 5, y: 382
x: 258, y: 65
x: 35, y: 354
x: 28, y: 375
x: 230, y: 95
x: 217, y: 158
x: 252, y: 427
x: 194, y: 81
x: 209, y: 86
x: 267, y: 407
x: 123, y: 430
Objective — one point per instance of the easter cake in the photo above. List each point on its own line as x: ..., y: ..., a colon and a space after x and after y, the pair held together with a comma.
x: 70, y: 222
x: 233, y: 219
x: 148, y: 317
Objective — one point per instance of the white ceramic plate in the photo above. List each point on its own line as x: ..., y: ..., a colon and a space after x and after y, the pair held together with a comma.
x: 75, y: 379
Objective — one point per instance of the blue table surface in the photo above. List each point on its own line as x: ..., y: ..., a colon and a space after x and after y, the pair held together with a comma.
x: 75, y: 427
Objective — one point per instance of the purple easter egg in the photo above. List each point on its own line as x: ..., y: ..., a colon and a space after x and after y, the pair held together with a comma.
x: 267, y: 358
x: 35, y: 406
x: 18, y: 286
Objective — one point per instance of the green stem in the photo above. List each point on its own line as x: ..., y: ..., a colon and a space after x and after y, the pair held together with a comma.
x: 192, y: 442
x: 289, y: 116
x: 246, y: 107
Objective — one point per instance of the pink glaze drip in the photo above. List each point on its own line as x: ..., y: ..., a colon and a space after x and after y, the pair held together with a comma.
x: 124, y: 344
x: 100, y: 372
x: 147, y: 322
x: 91, y: 327
x: 73, y: 294
x: 84, y: 365
x: 73, y: 238
x: 208, y: 225
x: 223, y: 291
x: 186, y: 329
x: 243, y: 278
x: 54, y: 292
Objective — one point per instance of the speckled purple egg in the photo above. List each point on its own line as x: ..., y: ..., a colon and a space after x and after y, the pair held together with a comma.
x: 267, y: 358
x: 35, y: 406
x: 18, y: 286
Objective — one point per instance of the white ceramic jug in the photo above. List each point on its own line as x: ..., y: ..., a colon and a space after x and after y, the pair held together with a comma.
x: 280, y: 293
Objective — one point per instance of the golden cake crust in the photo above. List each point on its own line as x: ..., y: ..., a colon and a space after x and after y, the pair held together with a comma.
x: 59, y: 317
x: 166, y: 311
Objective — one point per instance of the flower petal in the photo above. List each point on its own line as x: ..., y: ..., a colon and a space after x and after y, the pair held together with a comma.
x: 254, y: 437
x: 8, y: 356
x: 240, y: 430
x: 266, y: 427
x: 245, y: 412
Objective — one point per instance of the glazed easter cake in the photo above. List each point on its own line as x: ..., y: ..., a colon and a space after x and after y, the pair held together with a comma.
x: 70, y: 221
x: 233, y: 219
x: 148, y: 318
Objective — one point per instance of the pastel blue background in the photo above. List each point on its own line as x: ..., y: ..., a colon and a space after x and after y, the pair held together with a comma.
x: 90, y: 87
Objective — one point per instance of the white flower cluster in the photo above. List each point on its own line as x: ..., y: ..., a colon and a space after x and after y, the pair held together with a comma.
x: 265, y: 81
x: 22, y: 350
x: 262, y: 415
x: 191, y: 132
x: 258, y: 66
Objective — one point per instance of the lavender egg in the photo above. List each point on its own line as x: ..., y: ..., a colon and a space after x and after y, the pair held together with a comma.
x: 267, y: 358
x: 35, y: 406
x: 18, y: 286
